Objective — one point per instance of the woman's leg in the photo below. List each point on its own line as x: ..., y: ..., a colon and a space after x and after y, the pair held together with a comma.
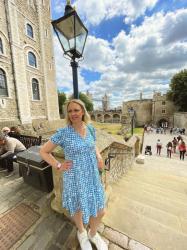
x: 183, y: 153
x: 77, y: 218
x: 180, y: 155
x: 95, y: 221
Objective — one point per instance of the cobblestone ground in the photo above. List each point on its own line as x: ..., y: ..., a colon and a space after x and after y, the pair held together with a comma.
x: 52, y: 231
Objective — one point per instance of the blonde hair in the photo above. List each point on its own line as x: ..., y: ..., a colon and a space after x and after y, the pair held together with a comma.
x: 86, y: 116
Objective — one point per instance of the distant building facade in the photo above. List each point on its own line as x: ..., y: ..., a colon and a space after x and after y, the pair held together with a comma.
x: 28, y: 90
x: 158, y: 110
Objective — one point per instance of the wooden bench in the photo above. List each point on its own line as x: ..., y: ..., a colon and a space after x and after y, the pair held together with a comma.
x: 27, y: 140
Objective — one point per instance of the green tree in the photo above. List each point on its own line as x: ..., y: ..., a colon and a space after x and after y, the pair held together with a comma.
x: 178, y: 90
x: 61, y: 100
x: 84, y: 98
x: 88, y: 104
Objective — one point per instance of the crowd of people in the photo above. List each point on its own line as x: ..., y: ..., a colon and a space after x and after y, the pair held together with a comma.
x: 151, y: 128
x: 177, y: 143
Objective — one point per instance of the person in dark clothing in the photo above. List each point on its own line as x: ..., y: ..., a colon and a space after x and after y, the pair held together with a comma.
x: 169, y: 149
x: 175, y: 143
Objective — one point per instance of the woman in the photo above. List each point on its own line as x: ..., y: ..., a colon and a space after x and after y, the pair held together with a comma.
x: 182, y: 150
x: 83, y: 194
x: 175, y: 142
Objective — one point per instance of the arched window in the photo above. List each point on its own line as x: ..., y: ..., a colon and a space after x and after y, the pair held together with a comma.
x: 3, y: 83
x: 32, y: 59
x: 35, y: 89
x: 30, y: 31
x: 1, y: 46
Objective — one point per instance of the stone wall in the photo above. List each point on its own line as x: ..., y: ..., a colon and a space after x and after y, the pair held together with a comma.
x: 180, y: 120
x: 19, y: 106
x: 143, y: 110
x: 38, y: 127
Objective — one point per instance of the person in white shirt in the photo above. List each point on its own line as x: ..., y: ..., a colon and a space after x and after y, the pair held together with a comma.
x: 158, y: 147
x: 9, y: 148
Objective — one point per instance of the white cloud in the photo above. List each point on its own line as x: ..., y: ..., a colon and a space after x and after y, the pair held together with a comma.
x: 144, y: 59
x: 141, y: 60
x: 96, y: 11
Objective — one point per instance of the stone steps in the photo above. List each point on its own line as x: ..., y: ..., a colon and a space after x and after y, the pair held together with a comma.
x: 149, y: 232
x: 149, y: 204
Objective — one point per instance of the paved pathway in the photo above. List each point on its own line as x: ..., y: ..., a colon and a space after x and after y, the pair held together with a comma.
x: 52, y: 231
x: 149, y: 204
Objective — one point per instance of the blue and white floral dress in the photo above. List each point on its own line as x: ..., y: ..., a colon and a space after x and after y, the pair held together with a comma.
x: 82, y: 188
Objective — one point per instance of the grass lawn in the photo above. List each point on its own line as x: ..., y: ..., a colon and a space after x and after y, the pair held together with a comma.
x: 114, y: 128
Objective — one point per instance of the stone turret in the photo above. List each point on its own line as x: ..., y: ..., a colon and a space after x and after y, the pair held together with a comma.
x: 105, y: 102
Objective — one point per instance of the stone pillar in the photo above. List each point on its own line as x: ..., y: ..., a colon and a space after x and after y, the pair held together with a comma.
x: 48, y: 58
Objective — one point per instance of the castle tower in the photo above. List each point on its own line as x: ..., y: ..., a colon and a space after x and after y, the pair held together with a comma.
x: 105, y: 102
x: 27, y: 62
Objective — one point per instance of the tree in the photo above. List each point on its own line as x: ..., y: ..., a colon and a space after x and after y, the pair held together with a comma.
x: 88, y: 104
x: 178, y: 90
x: 61, y: 101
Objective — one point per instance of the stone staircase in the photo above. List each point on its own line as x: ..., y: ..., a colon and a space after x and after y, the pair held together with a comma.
x: 149, y: 204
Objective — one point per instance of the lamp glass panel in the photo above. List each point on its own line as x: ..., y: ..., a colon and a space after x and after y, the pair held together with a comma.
x: 66, y: 26
x: 80, y: 41
x: 63, y: 40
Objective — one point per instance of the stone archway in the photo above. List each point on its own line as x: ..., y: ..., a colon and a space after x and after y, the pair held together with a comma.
x: 93, y: 117
x: 99, y: 118
x: 116, y: 118
x: 107, y: 118
x: 163, y: 122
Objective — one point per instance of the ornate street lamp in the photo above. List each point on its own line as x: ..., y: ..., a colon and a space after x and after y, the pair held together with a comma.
x: 131, y: 112
x: 72, y: 35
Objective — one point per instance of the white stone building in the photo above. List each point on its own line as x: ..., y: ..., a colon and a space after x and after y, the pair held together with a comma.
x: 28, y: 91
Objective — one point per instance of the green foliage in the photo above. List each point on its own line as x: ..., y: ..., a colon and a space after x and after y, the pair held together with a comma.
x: 61, y: 100
x: 87, y: 102
x: 178, y: 90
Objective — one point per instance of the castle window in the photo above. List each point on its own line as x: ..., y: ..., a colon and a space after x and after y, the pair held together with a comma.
x: 32, y: 59
x: 3, y: 83
x: 163, y: 111
x: 1, y: 46
x: 30, y: 31
x: 163, y: 103
x: 35, y: 89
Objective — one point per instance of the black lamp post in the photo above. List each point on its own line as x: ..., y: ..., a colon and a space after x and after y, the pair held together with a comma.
x: 131, y: 112
x: 72, y: 35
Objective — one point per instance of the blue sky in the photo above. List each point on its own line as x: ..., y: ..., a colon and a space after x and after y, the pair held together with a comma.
x: 133, y: 46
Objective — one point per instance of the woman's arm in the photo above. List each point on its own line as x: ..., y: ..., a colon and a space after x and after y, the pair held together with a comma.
x: 45, y: 153
x: 99, y: 158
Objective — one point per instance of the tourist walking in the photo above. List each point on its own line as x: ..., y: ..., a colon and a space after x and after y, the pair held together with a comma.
x: 182, y: 149
x: 158, y: 147
x: 83, y: 194
x: 169, y: 149
x: 175, y: 143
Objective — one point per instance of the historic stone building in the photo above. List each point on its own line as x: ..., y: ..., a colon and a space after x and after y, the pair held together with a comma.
x: 158, y: 110
x: 28, y: 91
